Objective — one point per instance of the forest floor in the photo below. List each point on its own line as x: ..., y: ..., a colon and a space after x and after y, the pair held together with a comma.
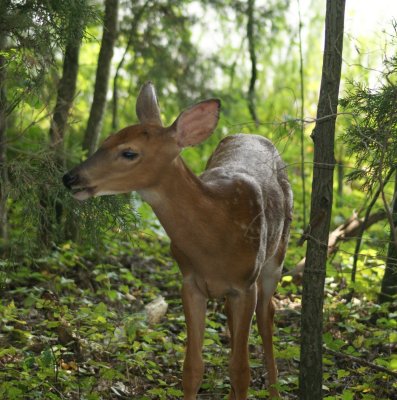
x: 73, y: 325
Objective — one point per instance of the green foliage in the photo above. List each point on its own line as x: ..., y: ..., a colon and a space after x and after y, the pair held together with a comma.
x: 372, y: 136
x: 73, y: 324
x: 45, y: 213
x: 159, y: 36
x: 31, y: 23
x: 27, y: 27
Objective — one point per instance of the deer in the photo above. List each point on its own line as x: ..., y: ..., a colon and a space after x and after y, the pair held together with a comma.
x: 228, y: 228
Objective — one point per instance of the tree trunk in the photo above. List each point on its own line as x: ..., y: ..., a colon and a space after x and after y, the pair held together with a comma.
x: 51, y: 209
x: 102, y: 76
x: 321, y: 206
x: 341, y: 176
x: 3, y: 146
x: 389, y: 281
x: 302, y: 117
x: 65, y: 96
x: 131, y: 34
x: 251, y: 48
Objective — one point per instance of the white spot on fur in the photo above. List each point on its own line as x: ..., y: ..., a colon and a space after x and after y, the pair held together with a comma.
x: 106, y: 193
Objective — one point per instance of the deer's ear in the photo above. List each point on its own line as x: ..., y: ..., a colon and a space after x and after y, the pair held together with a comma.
x: 196, y: 124
x: 147, y: 107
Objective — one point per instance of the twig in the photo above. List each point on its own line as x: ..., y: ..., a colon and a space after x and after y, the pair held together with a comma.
x: 307, y: 120
x: 361, y: 361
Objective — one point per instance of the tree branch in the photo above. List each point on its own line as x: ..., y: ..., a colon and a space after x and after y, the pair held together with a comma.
x: 348, y: 230
x: 361, y: 362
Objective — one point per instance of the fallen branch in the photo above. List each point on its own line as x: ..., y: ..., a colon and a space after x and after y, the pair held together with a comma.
x: 348, y: 230
x: 361, y: 362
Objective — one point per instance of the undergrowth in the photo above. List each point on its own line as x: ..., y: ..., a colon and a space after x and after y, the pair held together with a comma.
x: 73, y: 326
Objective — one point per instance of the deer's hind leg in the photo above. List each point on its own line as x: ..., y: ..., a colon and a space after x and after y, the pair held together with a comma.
x: 266, y: 284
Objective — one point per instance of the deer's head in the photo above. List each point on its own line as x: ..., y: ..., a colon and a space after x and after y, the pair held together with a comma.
x: 137, y: 156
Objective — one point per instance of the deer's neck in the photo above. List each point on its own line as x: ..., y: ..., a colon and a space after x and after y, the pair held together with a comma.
x: 184, y: 205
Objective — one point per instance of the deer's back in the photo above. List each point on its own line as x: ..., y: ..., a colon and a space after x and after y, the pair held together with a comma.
x: 250, y: 154
x: 252, y: 163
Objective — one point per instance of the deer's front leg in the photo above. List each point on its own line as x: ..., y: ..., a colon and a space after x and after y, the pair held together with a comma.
x: 194, y: 305
x: 241, y: 309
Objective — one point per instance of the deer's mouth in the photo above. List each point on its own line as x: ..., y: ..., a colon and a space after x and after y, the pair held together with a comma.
x: 83, y: 193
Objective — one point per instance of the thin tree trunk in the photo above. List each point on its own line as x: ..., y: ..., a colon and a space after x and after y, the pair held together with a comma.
x: 389, y: 281
x: 341, y: 177
x: 364, y: 226
x: 102, y: 76
x: 65, y: 95
x: 115, y: 104
x: 132, y: 33
x: 311, y: 368
x: 51, y: 209
x: 302, y: 116
x: 3, y: 146
x: 251, y: 48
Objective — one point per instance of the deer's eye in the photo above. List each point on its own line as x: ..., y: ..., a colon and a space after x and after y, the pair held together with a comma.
x: 129, y: 154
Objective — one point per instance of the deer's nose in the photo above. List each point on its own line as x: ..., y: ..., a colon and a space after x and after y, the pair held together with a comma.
x: 70, y: 179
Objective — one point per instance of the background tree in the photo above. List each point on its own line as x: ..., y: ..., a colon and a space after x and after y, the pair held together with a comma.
x: 26, y: 55
x: 251, y: 47
x: 311, y: 371
x: 66, y: 91
x: 3, y: 152
x: 131, y: 33
x: 388, y: 290
x: 109, y: 35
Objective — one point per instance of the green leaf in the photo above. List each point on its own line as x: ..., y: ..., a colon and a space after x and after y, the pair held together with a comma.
x: 347, y: 395
x: 101, y: 308
x: 174, y: 392
x: 343, y: 373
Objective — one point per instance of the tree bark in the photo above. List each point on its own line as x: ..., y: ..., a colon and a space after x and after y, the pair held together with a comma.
x: 102, y: 76
x: 3, y: 146
x: 311, y: 368
x: 389, y: 281
x: 65, y: 95
x: 51, y: 209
